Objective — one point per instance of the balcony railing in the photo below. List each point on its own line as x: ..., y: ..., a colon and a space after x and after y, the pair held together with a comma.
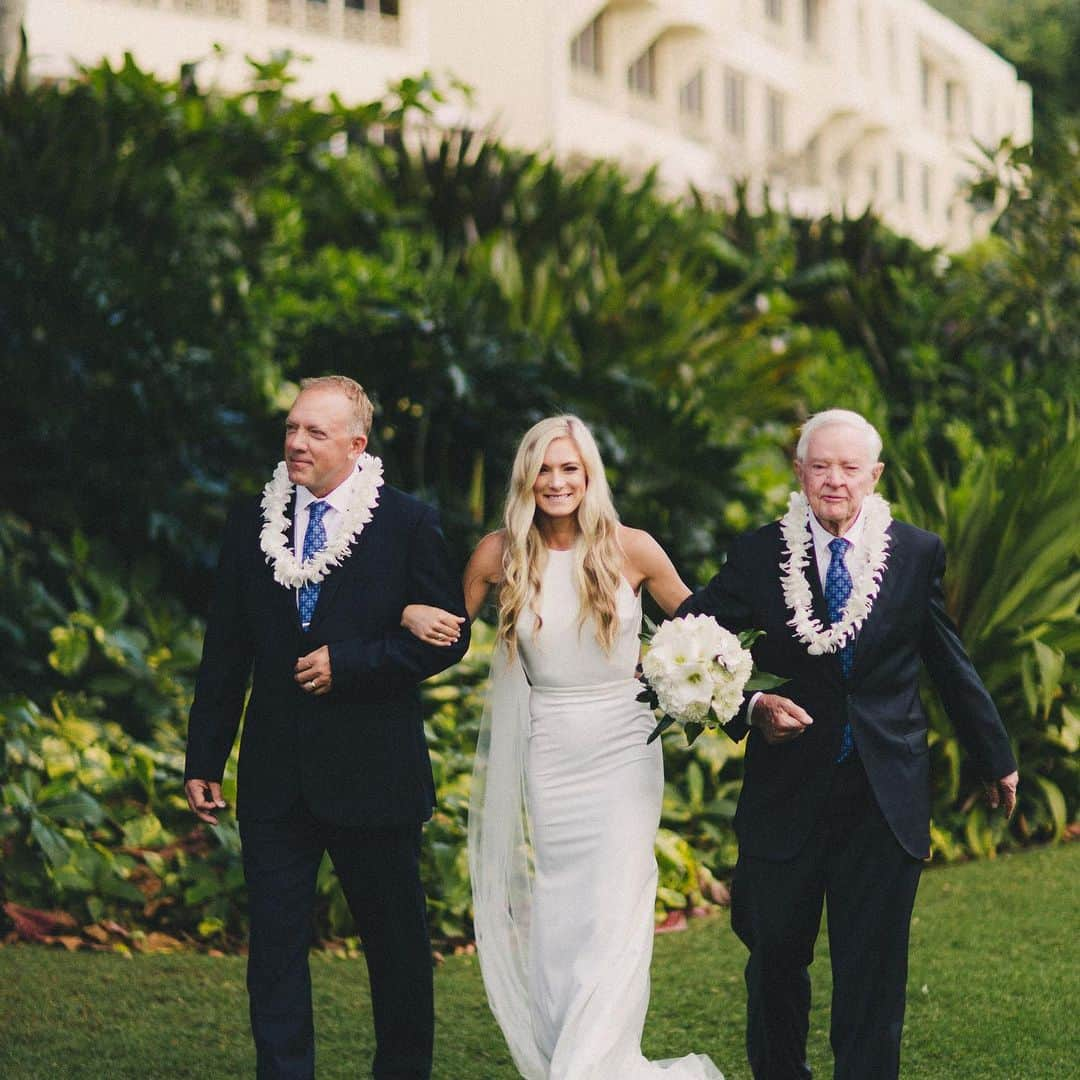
x: 222, y: 9
x: 372, y: 27
x: 333, y: 18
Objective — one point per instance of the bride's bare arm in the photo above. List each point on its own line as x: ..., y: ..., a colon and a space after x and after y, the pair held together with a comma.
x: 438, y: 627
x: 647, y: 564
x: 432, y: 625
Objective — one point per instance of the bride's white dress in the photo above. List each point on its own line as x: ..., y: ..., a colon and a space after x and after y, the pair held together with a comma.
x: 565, y: 805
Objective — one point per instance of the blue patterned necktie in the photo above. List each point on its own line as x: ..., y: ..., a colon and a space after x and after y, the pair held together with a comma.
x: 837, y: 591
x: 314, y: 542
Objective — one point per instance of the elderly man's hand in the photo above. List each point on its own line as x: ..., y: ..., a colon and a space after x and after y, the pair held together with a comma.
x: 779, y: 719
x: 313, y: 672
x: 1002, y: 792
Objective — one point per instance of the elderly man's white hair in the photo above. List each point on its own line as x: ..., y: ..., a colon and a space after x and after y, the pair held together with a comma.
x: 838, y: 416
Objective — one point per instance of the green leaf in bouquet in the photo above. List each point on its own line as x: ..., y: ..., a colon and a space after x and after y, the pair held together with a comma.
x: 762, y: 680
x: 648, y: 697
x: 693, y: 729
x: 648, y: 629
x: 748, y: 637
x: 662, y: 725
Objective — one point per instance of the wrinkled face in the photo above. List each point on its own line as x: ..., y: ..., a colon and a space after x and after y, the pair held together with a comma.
x: 320, y: 450
x: 837, y: 475
x: 560, y: 486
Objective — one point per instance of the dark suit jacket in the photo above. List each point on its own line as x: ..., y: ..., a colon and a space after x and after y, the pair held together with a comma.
x: 786, y: 784
x: 356, y: 755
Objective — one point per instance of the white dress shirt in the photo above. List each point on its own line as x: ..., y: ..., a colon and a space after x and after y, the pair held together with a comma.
x: 337, y: 502
x: 822, y: 539
x: 823, y: 556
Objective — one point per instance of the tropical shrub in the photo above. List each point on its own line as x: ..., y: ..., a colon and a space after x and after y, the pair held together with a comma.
x: 1013, y: 588
x: 153, y: 324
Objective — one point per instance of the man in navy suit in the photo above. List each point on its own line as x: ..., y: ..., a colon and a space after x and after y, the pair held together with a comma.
x: 310, y: 588
x: 835, y: 804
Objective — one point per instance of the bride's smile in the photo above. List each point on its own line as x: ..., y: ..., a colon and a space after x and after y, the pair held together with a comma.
x: 560, y: 484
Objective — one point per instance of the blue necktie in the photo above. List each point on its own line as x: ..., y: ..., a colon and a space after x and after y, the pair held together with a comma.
x: 314, y: 542
x: 837, y: 591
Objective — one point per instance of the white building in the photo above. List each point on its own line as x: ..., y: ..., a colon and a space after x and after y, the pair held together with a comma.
x: 833, y: 103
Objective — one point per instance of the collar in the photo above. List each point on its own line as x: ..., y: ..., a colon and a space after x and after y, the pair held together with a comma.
x: 822, y: 536
x: 337, y: 499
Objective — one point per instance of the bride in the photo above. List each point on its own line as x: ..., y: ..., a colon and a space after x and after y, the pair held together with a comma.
x: 566, y: 792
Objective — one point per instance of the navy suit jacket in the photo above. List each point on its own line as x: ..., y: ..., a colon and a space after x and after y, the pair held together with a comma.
x: 785, y: 785
x: 357, y: 755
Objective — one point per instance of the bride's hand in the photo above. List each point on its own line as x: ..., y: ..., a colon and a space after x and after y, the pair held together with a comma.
x: 432, y: 625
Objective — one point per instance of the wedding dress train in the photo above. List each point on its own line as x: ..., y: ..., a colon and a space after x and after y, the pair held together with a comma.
x: 563, y: 815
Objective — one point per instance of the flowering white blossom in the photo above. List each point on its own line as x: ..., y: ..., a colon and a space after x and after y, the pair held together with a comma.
x: 697, y: 670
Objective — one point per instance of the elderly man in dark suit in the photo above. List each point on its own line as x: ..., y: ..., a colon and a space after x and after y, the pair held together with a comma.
x: 309, y: 593
x: 835, y: 805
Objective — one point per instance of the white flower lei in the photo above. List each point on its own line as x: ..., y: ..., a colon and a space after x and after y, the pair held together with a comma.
x: 866, y: 565
x: 291, y: 571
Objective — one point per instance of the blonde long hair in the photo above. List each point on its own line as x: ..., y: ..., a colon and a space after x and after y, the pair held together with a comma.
x: 597, y: 554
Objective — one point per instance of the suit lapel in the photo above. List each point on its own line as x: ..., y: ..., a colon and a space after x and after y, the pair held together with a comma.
x: 817, y: 588
x: 291, y: 594
x: 330, y: 585
x: 820, y: 608
x: 870, y: 631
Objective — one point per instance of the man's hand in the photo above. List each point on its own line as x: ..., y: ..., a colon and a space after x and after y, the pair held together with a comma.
x: 312, y: 672
x: 1002, y: 792
x: 204, y: 796
x: 779, y: 719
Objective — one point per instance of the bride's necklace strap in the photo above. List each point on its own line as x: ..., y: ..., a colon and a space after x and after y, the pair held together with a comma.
x: 866, y: 564
x: 361, y: 496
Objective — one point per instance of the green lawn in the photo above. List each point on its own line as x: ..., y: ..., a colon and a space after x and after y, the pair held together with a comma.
x: 992, y: 994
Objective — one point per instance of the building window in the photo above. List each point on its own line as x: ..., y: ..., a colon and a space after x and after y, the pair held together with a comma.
x: 641, y: 75
x: 893, y: 49
x: 692, y: 96
x: 873, y: 179
x: 951, y: 91
x: 376, y: 7
x: 901, y: 177
x: 735, y: 103
x: 863, y: 39
x: 774, y: 120
x: 811, y: 21
x: 812, y: 158
x: 925, y: 76
x: 774, y: 10
x: 927, y: 189
x: 587, y: 49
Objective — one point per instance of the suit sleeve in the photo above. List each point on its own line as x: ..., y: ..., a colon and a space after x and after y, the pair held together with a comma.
x: 225, y: 668
x: 397, y: 659
x: 967, y: 701
x: 727, y: 598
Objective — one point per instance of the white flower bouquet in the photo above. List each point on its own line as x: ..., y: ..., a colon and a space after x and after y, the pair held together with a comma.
x: 696, y: 673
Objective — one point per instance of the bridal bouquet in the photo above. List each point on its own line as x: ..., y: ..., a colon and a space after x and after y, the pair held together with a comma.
x: 696, y: 673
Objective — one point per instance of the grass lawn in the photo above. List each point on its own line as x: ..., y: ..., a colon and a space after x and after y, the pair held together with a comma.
x: 995, y: 976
